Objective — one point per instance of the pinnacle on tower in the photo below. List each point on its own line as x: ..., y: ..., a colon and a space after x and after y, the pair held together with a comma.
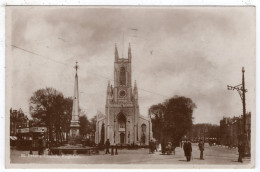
x: 116, y: 54
x: 135, y: 86
x: 108, y: 87
x: 129, y: 53
x: 111, y: 89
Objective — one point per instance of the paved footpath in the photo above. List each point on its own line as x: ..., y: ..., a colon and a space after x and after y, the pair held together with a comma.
x: 212, y: 155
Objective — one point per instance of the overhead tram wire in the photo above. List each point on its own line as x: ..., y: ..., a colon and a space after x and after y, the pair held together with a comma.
x: 39, y: 55
x: 106, y: 77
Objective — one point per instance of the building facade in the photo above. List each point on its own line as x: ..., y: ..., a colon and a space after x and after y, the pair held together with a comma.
x: 122, y: 122
x: 231, y: 130
x: 17, y: 120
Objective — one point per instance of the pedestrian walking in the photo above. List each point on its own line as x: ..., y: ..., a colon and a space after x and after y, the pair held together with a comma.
x: 169, y: 148
x: 107, y: 144
x: 173, y: 147
x: 156, y: 146
x: 241, y: 152
x: 201, y: 148
x: 152, y: 146
x: 160, y: 148
x: 187, y: 149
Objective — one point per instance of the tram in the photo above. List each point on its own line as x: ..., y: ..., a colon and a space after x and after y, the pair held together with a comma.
x: 29, y: 137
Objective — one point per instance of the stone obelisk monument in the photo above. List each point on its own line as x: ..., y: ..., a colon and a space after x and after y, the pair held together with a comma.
x: 74, y: 124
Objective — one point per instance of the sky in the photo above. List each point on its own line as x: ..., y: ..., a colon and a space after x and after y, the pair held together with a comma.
x: 187, y: 51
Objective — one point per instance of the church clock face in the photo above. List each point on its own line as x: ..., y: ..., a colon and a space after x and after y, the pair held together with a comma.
x: 122, y: 93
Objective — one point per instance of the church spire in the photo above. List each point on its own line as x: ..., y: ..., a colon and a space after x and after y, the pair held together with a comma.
x: 129, y: 53
x: 116, y: 54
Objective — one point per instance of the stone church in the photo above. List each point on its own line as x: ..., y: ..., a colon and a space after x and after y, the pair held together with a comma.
x: 122, y: 122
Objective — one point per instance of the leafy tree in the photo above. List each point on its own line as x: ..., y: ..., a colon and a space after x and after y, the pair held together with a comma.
x: 93, y: 122
x: 48, y: 106
x: 172, y: 119
x: 102, y: 141
x: 84, y: 125
x: 157, y: 118
x: 214, y: 131
x: 178, y: 117
x: 204, y: 131
x: 67, y: 115
x: 88, y: 127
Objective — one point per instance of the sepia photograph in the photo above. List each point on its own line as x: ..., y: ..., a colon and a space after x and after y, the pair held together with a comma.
x: 130, y: 87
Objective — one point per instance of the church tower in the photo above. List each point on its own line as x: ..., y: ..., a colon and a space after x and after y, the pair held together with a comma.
x: 122, y: 110
x: 122, y: 124
x: 122, y: 78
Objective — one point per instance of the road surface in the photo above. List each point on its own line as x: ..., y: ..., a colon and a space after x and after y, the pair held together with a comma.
x: 215, y: 155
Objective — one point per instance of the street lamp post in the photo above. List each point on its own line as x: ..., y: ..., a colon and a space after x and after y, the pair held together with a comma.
x: 149, y: 125
x: 241, y: 90
x: 114, y: 129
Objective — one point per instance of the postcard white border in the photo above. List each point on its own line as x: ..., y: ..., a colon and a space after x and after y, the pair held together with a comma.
x: 117, y: 2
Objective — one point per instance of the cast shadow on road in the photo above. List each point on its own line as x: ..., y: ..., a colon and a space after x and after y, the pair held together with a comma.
x: 183, y: 160
x: 234, y: 161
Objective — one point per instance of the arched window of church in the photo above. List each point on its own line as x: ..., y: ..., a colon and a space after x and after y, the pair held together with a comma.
x: 122, y: 125
x: 122, y: 78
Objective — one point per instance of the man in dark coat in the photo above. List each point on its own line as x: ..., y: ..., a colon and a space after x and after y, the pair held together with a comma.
x: 241, y: 152
x: 187, y: 150
x: 150, y: 146
x: 163, y: 147
x: 107, y: 144
x: 201, y: 147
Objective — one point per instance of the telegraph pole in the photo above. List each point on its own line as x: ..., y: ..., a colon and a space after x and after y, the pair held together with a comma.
x: 242, y: 91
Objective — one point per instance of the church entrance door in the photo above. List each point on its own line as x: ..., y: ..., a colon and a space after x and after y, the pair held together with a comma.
x: 122, y: 138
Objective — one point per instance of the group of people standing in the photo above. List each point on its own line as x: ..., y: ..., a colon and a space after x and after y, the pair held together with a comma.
x: 188, y: 149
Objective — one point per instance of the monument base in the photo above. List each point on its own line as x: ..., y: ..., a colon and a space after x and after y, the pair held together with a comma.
x: 74, y: 137
x: 72, y: 141
x: 74, y: 149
